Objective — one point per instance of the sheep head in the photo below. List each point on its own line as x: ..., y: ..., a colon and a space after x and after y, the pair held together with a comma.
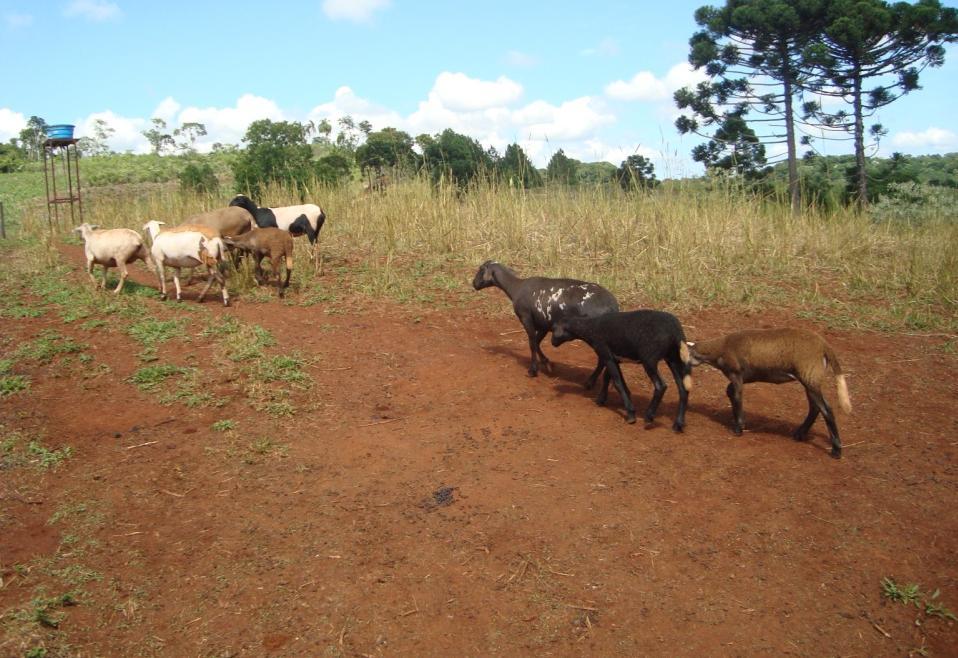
x: 485, y: 277
x: 152, y: 228
x: 85, y: 229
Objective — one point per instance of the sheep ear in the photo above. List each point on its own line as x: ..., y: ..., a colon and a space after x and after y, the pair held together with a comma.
x: 94, y: 226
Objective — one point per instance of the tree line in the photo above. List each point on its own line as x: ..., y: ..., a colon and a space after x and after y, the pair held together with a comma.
x: 781, y: 72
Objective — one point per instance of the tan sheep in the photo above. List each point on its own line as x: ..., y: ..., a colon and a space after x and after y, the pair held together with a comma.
x: 777, y: 356
x: 229, y: 222
x: 114, y: 247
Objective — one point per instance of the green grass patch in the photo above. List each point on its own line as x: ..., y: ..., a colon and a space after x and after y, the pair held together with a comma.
x: 18, y: 312
x: 149, y: 378
x: 49, y: 345
x: 47, y: 458
x: 150, y: 331
x: 10, y: 384
x: 225, y: 425
x: 281, y: 368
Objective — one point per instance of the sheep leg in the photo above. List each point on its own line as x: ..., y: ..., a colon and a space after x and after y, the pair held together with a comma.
x: 176, y: 282
x: 734, y: 393
x: 289, y: 271
x: 105, y: 270
x: 653, y: 372
x: 678, y: 369
x: 211, y: 276
x: 161, y: 275
x: 546, y: 363
x: 89, y: 271
x: 276, y: 265
x: 801, y: 432
x: 226, y: 294
x: 616, y: 375
x: 590, y: 382
x: 123, y: 274
x: 603, y: 395
x: 533, y: 345
x: 826, y: 410
x: 258, y: 273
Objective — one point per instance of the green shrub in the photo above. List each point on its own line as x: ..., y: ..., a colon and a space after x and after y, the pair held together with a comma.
x: 199, y: 178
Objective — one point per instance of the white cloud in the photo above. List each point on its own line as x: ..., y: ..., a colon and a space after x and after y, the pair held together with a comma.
x: 166, y: 110
x: 346, y: 102
x: 92, y: 10
x: 11, y: 123
x: 645, y: 86
x: 14, y: 20
x: 521, y: 60
x: 608, y: 47
x: 573, y: 119
x: 931, y: 139
x: 127, y: 134
x: 357, y: 11
x: 459, y: 92
x: 228, y: 124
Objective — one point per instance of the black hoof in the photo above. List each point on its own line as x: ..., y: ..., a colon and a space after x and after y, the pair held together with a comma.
x: 678, y: 429
x: 630, y: 420
x: 737, y: 431
x: 533, y: 373
x: 836, y: 454
x: 799, y: 436
x: 600, y: 402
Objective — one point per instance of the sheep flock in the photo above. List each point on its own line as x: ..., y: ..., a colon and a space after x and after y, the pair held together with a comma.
x: 568, y: 308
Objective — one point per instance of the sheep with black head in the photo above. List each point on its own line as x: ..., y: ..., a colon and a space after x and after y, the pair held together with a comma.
x: 645, y: 337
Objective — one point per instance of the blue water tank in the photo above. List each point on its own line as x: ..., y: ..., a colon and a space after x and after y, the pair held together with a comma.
x: 60, y: 131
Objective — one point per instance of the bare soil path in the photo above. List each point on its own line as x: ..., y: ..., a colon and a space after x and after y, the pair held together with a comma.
x: 427, y: 498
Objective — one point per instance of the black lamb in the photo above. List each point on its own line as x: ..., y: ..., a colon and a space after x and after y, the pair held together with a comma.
x: 646, y: 337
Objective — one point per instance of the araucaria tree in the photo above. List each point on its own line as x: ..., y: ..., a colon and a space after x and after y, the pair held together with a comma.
x: 517, y: 170
x: 873, y: 42
x: 752, y: 53
x: 636, y: 173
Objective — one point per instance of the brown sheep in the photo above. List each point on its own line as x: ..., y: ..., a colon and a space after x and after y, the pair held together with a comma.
x: 777, y: 356
x: 273, y: 243
x: 229, y: 222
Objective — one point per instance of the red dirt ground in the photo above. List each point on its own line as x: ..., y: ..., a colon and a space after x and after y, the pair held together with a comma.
x: 569, y: 532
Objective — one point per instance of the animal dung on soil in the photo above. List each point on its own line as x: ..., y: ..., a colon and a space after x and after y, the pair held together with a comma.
x: 441, y: 497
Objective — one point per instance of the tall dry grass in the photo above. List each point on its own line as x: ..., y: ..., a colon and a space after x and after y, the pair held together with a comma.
x: 678, y: 247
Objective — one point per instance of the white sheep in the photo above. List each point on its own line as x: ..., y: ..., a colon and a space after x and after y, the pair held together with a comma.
x: 179, y: 249
x: 115, y: 247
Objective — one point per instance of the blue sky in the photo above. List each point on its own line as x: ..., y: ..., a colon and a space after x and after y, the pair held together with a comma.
x: 594, y: 79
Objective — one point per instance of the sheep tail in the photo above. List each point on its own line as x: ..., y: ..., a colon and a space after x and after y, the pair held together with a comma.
x: 686, y: 357
x: 832, y: 361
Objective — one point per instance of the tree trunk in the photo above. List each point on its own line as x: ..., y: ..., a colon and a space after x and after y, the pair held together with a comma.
x: 793, y: 190
x: 860, y: 173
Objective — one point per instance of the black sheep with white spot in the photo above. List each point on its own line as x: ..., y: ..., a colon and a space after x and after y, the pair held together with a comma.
x: 540, y: 303
x: 306, y: 219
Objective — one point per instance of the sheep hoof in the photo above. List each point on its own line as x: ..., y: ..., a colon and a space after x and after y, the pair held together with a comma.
x: 600, y: 402
x: 630, y: 419
x: 678, y: 429
x: 799, y: 436
x: 836, y: 454
x: 533, y: 373
x: 737, y: 431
